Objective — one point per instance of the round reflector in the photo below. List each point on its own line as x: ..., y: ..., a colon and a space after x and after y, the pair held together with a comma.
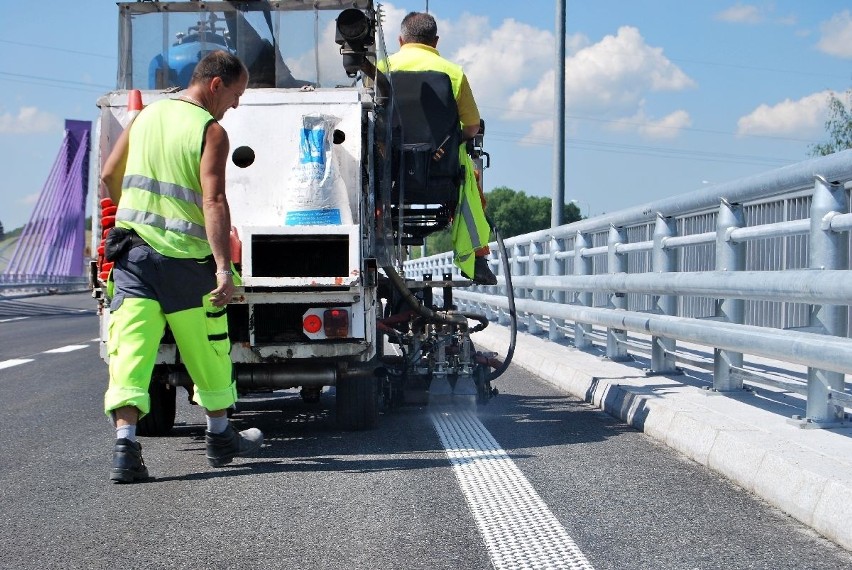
x: 312, y: 324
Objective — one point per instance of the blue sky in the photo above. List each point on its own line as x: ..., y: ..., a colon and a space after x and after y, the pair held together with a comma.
x: 662, y: 97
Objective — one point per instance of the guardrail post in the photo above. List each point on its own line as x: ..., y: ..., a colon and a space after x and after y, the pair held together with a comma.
x: 582, y: 266
x: 616, y: 263
x: 730, y: 256
x: 556, y: 267
x: 533, y: 270
x: 520, y: 293
x: 664, y: 260
x: 826, y: 250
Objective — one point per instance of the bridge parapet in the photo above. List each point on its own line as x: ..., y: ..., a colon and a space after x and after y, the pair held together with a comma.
x: 757, y: 266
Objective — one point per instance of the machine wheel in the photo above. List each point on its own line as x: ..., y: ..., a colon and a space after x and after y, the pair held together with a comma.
x: 161, y: 419
x: 358, y: 402
x: 484, y: 392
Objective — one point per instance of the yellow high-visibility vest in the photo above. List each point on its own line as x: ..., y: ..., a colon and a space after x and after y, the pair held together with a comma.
x: 161, y: 198
x: 470, y: 230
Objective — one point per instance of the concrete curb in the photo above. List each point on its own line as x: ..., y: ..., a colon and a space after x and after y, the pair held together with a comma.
x: 805, y: 473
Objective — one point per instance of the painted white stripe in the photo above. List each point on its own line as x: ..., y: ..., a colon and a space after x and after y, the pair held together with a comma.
x: 13, y: 319
x: 518, y: 529
x: 69, y: 348
x: 14, y: 362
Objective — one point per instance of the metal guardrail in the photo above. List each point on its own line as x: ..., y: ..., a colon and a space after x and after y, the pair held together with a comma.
x: 756, y: 266
x: 21, y: 284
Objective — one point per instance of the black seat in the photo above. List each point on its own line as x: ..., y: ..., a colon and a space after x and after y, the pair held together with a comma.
x: 426, y: 119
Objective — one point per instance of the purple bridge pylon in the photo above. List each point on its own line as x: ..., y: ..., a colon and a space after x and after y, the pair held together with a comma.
x: 52, y: 243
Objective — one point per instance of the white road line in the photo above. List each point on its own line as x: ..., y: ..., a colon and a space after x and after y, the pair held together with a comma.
x: 13, y: 319
x: 69, y: 348
x: 517, y: 526
x: 60, y: 350
x: 14, y: 362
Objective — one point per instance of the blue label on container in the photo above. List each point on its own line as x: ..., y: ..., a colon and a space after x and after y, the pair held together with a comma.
x: 328, y: 217
x: 313, y: 146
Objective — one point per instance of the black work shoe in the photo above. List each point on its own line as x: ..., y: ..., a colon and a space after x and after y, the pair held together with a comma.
x: 223, y: 447
x: 482, y: 274
x: 127, y: 463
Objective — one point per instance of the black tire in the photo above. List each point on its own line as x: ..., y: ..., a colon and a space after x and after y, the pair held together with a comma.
x: 161, y: 419
x: 357, y: 403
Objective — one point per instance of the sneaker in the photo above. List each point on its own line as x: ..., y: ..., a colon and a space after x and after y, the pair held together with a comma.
x: 127, y: 463
x: 482, y: 274
x: 223, y: 447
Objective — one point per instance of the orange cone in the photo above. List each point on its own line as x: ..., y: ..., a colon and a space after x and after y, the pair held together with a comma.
x: 134, y: 104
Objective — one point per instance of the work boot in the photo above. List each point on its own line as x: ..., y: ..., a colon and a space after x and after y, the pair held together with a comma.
x: 127, y: 463
x: 223, y: 447
x: 482, y: 274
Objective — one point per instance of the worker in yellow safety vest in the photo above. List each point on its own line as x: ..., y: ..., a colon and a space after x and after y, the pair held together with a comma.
x: 418, y: 42
x: 172, y: 262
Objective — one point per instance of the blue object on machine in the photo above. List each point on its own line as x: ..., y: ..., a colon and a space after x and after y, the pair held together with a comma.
x: 182, y: 58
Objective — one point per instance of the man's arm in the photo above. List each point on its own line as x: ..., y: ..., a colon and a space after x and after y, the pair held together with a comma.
x: 112, y: 173
x: 468, y: 111
x: 217, y: 214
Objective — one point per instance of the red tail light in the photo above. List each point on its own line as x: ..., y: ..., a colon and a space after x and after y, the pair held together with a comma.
x: 336, y: 323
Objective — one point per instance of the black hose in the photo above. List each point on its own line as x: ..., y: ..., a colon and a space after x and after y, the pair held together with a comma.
x: 446, y: 317
x: 513, y: 314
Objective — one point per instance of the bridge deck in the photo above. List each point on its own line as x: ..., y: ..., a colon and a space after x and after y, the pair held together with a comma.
x: 749, y: 437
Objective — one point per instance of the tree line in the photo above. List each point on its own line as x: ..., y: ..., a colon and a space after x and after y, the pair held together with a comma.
x: 512, y: 212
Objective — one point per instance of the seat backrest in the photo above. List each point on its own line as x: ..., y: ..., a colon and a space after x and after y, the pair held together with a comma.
x: 426, y: 119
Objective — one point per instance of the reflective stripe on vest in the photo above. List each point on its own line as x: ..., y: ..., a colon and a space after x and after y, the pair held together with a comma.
x: 470, y: 229
x: 162, y: 188
x: 161, y: 223
x: 161, y: 197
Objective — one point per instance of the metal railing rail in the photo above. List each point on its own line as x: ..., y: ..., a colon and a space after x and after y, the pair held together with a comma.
x: 757, y: 266
x: 23, y: 284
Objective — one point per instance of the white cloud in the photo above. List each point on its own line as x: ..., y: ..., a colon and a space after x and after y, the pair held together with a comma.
x: 741, y: 14
x: 668, y: 127
x: 511, y: 69
x: 540, y: 132
x: 502, y: 59
x: 611, y: 77
x: 837, y: 35
x: 29, y: 199
x: 804, y: 117
x: 29, y: 120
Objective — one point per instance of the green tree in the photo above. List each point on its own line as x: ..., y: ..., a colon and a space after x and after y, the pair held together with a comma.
x: 838, y: 126
x: 2, y: 233
x: 513, y: 212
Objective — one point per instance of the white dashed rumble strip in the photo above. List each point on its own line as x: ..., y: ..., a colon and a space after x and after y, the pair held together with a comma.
x: 517, y: 526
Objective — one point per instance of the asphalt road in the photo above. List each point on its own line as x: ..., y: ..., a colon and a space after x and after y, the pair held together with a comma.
x: 318, y: 497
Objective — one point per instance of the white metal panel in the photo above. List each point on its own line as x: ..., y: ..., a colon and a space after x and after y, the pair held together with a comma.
x: 270, y: 122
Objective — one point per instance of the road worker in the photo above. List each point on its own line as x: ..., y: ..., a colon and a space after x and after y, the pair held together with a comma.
x: 172, y: 264
x: 418, y: 42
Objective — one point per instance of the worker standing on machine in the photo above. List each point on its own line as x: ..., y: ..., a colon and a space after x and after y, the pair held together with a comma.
x: 418, y: 42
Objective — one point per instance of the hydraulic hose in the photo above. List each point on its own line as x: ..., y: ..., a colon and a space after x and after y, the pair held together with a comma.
x: 513, y: 314
x: 446, y: 317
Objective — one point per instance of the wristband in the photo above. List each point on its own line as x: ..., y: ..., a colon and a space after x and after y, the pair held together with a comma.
x: 226, y: 272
